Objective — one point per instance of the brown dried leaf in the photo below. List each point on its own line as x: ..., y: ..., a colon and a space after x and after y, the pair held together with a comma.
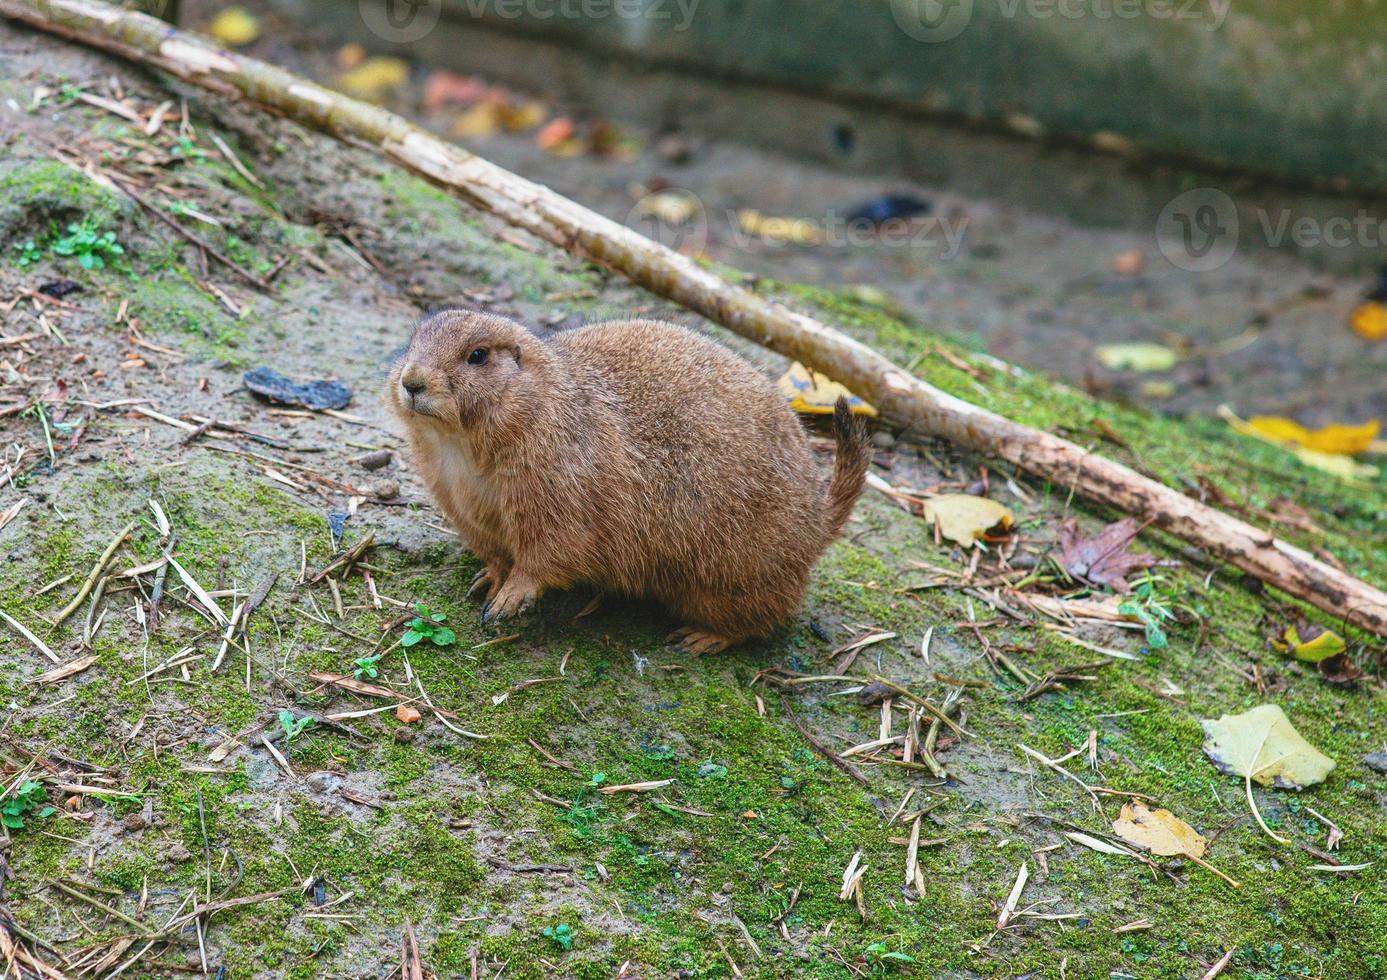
x: 1102, y: 559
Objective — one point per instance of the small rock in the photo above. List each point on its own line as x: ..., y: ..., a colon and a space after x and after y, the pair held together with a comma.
x: 407, y: 714
x: 133, y: 823
x: 883, y: 439
x: 176, y: 854
x: 1377, y: 761
x: 322, y: 781
x: 385, y: 489
x: 404, y: 735
x: 377, y: 460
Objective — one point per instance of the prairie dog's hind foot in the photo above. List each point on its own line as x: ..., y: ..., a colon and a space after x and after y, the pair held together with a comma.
x: 486, y: 583
x: 698, y: 641
x: 517, y: 595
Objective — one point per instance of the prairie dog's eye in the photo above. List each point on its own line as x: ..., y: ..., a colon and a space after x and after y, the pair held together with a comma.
x: 478, y: 356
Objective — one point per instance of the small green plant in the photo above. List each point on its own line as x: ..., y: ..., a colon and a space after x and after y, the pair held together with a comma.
x: 427, y: 626
x: 92, y: 246
x: 293, y: 727
x: 366, y: 667
x: 1152, y: 608
x: 187, y: 149
x: 29, y: 253
x: 881, y: 960
x: 561, y: 935
x: 26, y: 801
x: 598, y: 778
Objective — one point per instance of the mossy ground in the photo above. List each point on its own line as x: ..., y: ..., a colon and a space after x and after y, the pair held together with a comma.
x: 461, y: 837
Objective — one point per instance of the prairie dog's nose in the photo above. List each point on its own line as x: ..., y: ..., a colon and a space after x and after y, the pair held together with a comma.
x: 412, y: 383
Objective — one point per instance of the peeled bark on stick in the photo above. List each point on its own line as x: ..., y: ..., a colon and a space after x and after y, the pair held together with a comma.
x: 903, y: 399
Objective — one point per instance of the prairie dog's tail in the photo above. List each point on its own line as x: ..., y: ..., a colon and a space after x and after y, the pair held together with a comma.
x: 850, y: 467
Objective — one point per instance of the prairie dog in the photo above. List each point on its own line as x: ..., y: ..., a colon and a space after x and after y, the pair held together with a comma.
x: 634, y: 456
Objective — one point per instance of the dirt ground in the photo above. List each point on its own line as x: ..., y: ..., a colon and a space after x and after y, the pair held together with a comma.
x: 1039, y: 289
x: 196, y: 830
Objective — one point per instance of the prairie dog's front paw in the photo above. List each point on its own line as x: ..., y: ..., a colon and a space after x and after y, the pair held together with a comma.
x: 517, y: 595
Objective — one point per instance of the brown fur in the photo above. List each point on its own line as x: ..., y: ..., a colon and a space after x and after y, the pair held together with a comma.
x: 634, y: 456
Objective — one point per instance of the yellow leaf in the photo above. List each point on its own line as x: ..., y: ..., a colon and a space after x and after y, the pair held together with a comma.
x: 964, y: 519
x: 235, y: 26
x: 1343, y: 440
x: 1273, y: 428
x: 1141, y: 358
x: 1369, y: 321
x: 795, y: 230
x: 814, y: 394
x: 1313, y: 644
x: 527, y: 115
x: 1322, y: 448
x: 480, y: 120
x: 1340, y: 466
x: 1264, y: 744
x: 1158, y: 831
x: 674, y: 208
x: 374, y: 78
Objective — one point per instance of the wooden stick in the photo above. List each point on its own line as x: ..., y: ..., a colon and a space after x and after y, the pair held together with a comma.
x: 101, y: 563
x: 902, y: 399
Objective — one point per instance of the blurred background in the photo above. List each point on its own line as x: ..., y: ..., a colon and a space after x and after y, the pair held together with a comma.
x: 1169, y: 202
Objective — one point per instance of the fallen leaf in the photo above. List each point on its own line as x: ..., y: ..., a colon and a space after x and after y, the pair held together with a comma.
x: 1158, y: 831
x: 443, y: 88
x: 814, y: 394
x: 407, y: 714
x: 674, y: 208
x: 1324, y: 449
x: 526, y: 115
x: 234, y: 26
x: 1344, y: 467
x: 480, y: 120
x: 1103, y: 558
x: 1139, y: 357
x: 555, y: 133
x: 1310, y: 643
x: 348, y: 56
x: 1369, y: 321
x: 375, y: 78
x: 964, y: 519
x: 1263, y: 743
x: 1129, y: 263
x: 779, y: 229
x: 1339, y: 670
x: 1337, y: 440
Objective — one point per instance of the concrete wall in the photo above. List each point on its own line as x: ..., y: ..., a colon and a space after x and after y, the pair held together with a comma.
x: 1293, y: 87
